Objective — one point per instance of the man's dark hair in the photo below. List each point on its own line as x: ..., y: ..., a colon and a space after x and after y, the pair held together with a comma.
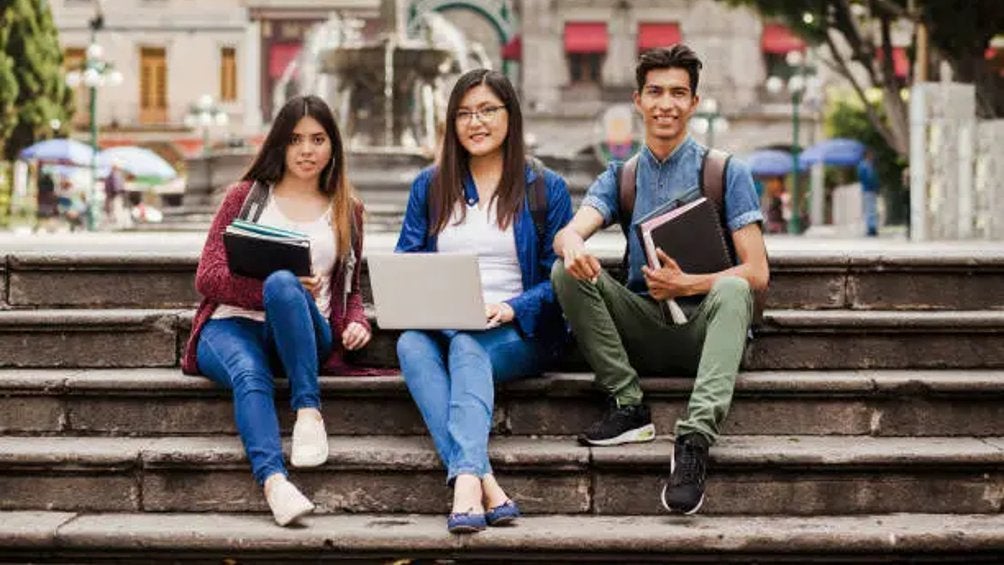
x: 678, y: 56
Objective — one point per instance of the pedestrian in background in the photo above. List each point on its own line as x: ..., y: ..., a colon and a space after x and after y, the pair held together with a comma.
x: 869, y: 192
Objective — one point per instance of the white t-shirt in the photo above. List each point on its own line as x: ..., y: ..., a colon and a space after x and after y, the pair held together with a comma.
x: 501, y: 278
x: 323, y: 251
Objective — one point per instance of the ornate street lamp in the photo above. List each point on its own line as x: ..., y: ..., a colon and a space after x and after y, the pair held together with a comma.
x: 708, y: 120
x: 94, y: 73
x: 797, y: 86
x: 205, y: 113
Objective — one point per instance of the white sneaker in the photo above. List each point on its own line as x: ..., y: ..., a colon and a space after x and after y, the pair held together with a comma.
x: 310, y: 442
x: 287, y: 502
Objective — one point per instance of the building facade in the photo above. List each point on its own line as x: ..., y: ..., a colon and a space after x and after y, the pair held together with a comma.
x: 170, y: 54
x: 578, y: 58
x: 570, y: 59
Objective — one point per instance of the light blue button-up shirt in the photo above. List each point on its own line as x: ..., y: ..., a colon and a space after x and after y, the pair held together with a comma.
x: 675, y: 178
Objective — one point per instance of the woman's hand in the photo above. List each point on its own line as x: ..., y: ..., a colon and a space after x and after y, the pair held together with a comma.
x: 311, y: 283
x: 499, y: 314
x: 355, y: 336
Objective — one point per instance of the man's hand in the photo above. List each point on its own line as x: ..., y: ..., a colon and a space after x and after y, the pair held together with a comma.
x: 582, y: 265
x: 355, y: 336
x: 311, y: 283
x: 570, y: 244
x: 668, y: 281
x: 578, y: 262
x: 499, y: 314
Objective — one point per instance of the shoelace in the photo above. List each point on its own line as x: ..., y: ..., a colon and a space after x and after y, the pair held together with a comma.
x: 691, y: 466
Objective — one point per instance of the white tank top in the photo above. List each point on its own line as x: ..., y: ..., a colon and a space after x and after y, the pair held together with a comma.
x: 323, y: 252
x: 501, y: 278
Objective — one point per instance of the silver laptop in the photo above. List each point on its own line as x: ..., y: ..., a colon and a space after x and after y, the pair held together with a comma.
x: 427, y: 291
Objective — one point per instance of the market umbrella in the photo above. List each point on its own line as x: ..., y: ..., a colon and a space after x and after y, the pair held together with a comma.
x: 138, y: 161
x: 770, y: 162
x: 66, y: 151
x: 838, y: 151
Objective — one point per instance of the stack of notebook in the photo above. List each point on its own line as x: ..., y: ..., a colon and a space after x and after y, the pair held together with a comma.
x: 691, y: 234
x: 257, y: 251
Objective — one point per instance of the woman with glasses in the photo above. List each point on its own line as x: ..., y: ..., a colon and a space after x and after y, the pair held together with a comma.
x: 476, y: 200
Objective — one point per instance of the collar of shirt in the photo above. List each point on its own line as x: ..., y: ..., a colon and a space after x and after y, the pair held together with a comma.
x: 670, y: 159
x: 471, y: 190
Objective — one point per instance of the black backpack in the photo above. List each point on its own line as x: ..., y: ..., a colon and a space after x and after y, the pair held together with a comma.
x: 714, y: 168
x: 538, y: 199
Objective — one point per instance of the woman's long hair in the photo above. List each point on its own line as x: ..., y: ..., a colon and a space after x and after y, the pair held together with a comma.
x: 269, y: 165
x: 454, y: 164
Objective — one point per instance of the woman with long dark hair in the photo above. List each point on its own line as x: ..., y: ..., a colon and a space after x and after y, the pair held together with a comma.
x: 245, y: 329
x: 477, y: 200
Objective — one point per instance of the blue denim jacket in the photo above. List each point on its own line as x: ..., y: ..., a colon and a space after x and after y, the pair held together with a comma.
x: 537, y: 311
x: 675, y: 178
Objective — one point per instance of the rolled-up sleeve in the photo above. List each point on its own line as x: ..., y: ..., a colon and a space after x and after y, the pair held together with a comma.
x: 741, y: 204
x: 603, y: 197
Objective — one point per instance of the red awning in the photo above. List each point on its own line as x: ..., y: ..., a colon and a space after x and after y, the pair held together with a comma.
x: 900, y: 62
x: 586, y: 37
x: 778, y: 39
x: 513, y: 51
x: 652, y: 35
x: 279, y: 56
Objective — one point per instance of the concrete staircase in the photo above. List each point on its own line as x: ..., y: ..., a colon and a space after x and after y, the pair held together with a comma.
x: 868, y: 424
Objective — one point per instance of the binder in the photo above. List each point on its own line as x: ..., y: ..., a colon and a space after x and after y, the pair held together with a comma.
x: 691, y: 234
x: 257, y: 251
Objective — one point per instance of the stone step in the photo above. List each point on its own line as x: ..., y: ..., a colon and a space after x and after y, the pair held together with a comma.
x: 855, y: 280
x: 767, y: 475
x: 154, y: 402
x: 788, y: 339
x: 381, y: 538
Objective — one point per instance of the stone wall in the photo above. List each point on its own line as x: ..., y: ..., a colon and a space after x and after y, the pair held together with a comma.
x: 955, y: 166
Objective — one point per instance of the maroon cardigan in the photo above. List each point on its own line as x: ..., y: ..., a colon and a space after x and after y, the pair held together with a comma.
x: 217, y: 285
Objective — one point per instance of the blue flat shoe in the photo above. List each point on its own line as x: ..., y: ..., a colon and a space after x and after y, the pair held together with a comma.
x: 465, y: 523
x: 502, y: 514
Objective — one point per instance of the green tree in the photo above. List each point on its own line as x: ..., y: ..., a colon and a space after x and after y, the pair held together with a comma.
x: 30, y: 74
x: 858, y: 34
x: 846, y: 117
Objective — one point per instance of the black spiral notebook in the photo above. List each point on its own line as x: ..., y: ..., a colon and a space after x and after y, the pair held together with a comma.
x: 691, y: 235
x: 257, y: 251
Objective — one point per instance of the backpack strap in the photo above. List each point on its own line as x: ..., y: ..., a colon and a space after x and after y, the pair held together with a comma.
x: 714, y: 168
x: 538, y: 198
x: 254, y: 202
x: 627, y: 184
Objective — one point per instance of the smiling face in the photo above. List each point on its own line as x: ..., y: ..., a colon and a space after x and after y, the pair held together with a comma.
x: 666, y: 103
x: 482, y: 122
x: 309, y: 150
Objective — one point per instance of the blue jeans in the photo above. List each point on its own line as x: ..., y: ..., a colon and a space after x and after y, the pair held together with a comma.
x: 869, y: 205
x: 452, y: 375
x: 241, y: 354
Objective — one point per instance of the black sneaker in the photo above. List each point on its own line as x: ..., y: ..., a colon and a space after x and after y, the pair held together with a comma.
x: 684, y: 493
x: 624, y: 424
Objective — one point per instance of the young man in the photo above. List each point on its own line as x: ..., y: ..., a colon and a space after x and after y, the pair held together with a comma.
x: 622, y: 331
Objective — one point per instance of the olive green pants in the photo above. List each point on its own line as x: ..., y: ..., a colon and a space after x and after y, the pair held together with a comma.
x: 622, y: 334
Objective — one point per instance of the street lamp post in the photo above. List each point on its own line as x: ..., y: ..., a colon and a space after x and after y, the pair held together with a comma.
x: 205, y: 113
x: 708, y: 120
x: 796, y: 87
x: 95, y: 73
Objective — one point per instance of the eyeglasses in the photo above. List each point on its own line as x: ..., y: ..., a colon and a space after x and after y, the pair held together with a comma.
x: 484, y: 115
